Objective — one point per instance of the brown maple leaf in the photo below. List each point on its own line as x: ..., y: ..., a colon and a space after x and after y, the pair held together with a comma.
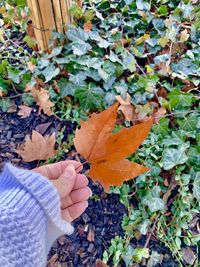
x: 126, y: 107
x: 37, y: 147
x: 107, y: 151
x: 24, y: 111
x: 42, y: 100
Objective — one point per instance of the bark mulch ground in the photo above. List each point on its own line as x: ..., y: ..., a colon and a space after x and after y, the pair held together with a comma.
x: 101, y: 221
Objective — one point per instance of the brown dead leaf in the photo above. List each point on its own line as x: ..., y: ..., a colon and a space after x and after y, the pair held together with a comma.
x: 164, y: 68
x: 100, y: 263
x: 159, y: 114
x: 1, y: 93
x: 37, y: 147
x: 162, y: 92
x: 31, y: 66
x: 42, y: 128
x: 28, y: 87
x: 24, y: 111
x: 87, y: 26
x: 126, y: 107
x: 106, y: 151
x: 12, y: 108
x: 42, y: 100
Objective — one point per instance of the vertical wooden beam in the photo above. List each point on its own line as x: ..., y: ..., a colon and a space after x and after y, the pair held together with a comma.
x: 48, y: 15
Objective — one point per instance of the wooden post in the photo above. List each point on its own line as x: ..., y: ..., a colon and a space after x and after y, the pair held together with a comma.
x: 46, y: 16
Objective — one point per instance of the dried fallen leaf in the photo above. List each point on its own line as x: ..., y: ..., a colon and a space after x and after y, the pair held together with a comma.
x: 42, y: 128
x: 106, y: 151
x: 42, y: 100
x: 159, y: 114
x: 184, y: 36
x: 24, y: 111
x: 87, y: 26
x: 100, y: 263
x: 37, y: 147
x: 1, y: 93
x: 126, y: 107
x: 142, y: 39
x: 31, y: 66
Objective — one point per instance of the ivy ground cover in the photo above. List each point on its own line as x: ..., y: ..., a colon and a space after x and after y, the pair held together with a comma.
x: 145, y: 55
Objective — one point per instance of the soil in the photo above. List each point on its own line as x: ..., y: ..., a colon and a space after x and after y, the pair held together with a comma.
x: 101, y: 221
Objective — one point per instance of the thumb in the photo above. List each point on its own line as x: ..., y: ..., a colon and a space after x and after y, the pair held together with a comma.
x: 65, y: 183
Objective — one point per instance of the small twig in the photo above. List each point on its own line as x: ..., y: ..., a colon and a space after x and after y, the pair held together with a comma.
x: 151, y: 233
x: 140, y: 69
x: 171, y: 114
x: 14, y: 96
x: 170, y: 55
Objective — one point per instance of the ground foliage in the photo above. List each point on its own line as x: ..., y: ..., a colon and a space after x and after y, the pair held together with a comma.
x: 150, y: 50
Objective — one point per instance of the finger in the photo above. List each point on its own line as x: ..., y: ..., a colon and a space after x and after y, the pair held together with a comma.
x: 65, y: 183
x: 76, y: 196
x: 71, y: 213
x: 81, y: 181
x: 53, y: 171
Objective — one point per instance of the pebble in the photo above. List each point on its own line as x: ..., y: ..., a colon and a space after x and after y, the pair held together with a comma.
x: 9, y: 134
x: 16, y: 136
x: 91, y: 248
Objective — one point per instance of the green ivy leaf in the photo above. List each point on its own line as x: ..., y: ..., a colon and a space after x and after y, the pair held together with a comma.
x: 196, y: 186
x: 80, y: 48
x: 156, y: 204
x: 14, y: 75
x: 30, y: 41
x: 5, y: 104
x: 178, y: 99
x: 50, y: 72
x: 90, y: 96
x: 189, y: 123
x: 173, y: 157
x: 66, y: 87
x: 76, y: 34
x: 55, y: 52
x: 162, y: 128
x: 139, y: 254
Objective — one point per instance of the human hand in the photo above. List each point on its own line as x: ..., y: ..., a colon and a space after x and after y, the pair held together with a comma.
x: 72, y: 186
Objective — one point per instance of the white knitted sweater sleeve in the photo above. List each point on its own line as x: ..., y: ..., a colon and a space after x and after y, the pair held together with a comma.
x: 30, y: 218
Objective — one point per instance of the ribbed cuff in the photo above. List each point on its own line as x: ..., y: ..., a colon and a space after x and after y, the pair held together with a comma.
x: 29, y: 191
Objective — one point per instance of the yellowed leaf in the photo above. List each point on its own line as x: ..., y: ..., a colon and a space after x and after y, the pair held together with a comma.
x: 42, y: 100
x: 184, y: 36
x: 2, y: 10
x: 24, y: 111
x: 163, y: 41
x: 37, y: 147
x: 142, y: 39
x: 2, y: 40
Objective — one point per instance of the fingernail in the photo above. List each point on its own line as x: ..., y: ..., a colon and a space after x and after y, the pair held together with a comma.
x: 90, y: 191
x: 86, y: 204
